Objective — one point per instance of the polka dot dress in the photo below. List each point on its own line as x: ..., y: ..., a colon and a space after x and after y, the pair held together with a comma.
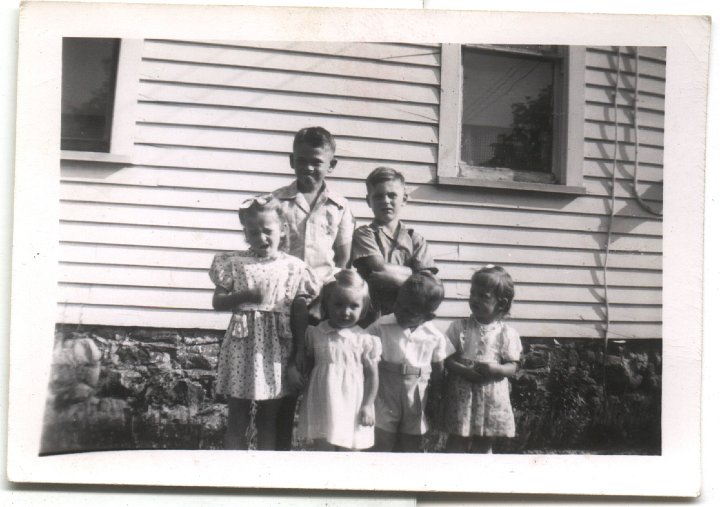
x: 256, y: 348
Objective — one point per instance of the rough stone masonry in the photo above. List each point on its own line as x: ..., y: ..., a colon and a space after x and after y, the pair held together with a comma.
x: 143, y: 388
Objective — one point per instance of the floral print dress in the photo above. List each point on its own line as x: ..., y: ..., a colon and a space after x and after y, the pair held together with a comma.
x: 256, y: 348
x: 481, y: 409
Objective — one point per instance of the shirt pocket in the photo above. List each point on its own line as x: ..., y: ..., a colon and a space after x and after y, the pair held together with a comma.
x: 331, y: 222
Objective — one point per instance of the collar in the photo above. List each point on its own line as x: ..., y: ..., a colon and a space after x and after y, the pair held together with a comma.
x: 346, y: 332
x: 290, y: 192
x: 395, y: 235
x: 391, y: 320
x: 482, y: 328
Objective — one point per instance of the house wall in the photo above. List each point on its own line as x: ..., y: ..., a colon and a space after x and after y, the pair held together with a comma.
x: 214, y: 125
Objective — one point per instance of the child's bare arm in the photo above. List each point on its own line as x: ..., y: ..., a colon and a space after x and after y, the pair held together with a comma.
x: 466, y: 372
x: 386, y: 273
x: 298, y: 325
x: 224, y: 300
x: 342, y: 255
x: 370, y: 369
x: 497, y: 371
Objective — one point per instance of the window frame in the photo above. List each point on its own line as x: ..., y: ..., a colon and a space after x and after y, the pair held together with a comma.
x: 568, y: 130
x: 123, y: 116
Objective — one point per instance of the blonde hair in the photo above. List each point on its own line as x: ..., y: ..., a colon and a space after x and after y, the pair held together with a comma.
x: 265, y: 203
x: 345, y: 279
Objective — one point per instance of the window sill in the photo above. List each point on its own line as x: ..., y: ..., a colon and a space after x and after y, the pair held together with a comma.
x: 513, y: 185
x: 92, y: 156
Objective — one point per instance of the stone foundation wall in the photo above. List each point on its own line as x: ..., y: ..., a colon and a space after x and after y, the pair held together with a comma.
x: 139, y: 388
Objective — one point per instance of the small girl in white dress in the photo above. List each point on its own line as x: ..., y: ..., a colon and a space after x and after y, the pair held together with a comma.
x: 261, y: 286
x: 477, y: 399
x: 337, y: 410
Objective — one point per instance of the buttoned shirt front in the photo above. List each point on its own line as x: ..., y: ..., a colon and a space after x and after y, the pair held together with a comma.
x: 405, y: 248
x: 420, y: 347
x: 315, y: 233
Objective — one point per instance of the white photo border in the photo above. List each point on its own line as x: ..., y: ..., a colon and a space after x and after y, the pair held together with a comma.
x: 35, y: 245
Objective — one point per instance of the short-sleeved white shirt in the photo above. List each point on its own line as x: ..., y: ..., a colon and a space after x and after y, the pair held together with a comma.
x: 315, y: 233
x: 420, y: 347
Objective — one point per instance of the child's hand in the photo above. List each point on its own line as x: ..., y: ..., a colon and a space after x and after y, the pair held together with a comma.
x: 487, y: 371
x: 367, y: 417
x: 253, y: 296
x: 296, y: 382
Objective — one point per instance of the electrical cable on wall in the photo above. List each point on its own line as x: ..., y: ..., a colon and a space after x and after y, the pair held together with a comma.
x: 606, y: 331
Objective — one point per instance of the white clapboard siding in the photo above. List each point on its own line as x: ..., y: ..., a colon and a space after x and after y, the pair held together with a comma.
x: 78, y: 176
x: 188, y: 200
x: 235, y: 139
x: 106, y: 233
x: 214, y: 125
x: 194, y: 299
x: 289, y: 123
x: 127, y: 315
x: 200, y: 259
x: 156, y: 187
x: 168, y: 296
x: 298, y: 82
x: 272, y: 59
x: 279, y: 100
x: 414, y: 54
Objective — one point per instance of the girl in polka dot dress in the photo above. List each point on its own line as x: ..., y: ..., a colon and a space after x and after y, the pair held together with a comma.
x: 261, y: 286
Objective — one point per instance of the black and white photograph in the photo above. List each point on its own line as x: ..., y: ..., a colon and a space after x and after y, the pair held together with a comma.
x: 444, y: 250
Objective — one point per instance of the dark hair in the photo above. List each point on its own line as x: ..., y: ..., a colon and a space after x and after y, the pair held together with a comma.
x: 382, y: 173
x: 424, y: 291
x: 316, y: 137
x: 499, y: 282
x: 345, y: 279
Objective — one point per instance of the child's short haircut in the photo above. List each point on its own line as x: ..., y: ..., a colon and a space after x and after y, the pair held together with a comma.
x: 316, y: 137
x: 497, y: 280
x: 423, y: 291
x: 346, y: 279
x: 382, y: 173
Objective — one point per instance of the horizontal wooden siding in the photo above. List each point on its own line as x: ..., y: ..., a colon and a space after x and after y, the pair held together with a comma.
x: 215, y: 124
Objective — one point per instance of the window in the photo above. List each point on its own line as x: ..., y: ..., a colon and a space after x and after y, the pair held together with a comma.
x: 512, y: 117
x: 88, y: 93
x: 99, y: 85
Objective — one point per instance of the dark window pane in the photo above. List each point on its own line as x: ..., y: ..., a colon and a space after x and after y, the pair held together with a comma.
x: 507, y: 110
x: 89, y: 68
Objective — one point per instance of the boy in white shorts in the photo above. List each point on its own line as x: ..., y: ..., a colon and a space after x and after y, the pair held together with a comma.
x: 413, y: 350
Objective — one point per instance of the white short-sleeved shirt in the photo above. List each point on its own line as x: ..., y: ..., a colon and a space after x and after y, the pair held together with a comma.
x: 420, y: 347
x: 314, y: 233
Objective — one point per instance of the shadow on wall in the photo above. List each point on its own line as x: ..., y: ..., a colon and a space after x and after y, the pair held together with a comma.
x: 135, y: 388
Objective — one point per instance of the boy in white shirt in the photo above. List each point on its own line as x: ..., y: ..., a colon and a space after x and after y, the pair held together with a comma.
x: 413, y: 350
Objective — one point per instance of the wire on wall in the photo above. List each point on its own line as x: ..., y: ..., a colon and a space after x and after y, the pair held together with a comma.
x: 616, y: 143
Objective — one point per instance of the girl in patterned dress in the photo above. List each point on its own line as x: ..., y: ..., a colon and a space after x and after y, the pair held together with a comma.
x: 337, y: 410
x: 261, y: 286
x: 477, y: 402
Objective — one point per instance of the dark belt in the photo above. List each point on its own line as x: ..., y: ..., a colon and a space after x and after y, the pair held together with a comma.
x: 404, y: 369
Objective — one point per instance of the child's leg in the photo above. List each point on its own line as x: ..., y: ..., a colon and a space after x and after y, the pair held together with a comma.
x: 266, y: 422
x: 409, y: 443
x: 457, y: 444
x: 285, y: 422
x: 482, y: 445
x: 237, y: 424
x: 384, y: 440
